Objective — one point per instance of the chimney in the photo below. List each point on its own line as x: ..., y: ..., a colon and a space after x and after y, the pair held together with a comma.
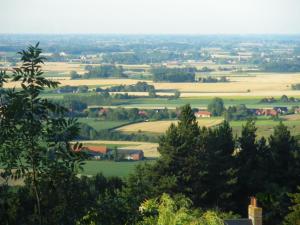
x: 254, y: 212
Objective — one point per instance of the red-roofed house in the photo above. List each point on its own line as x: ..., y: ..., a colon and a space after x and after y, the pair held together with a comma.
x: 266, y: 112
x: 203, y: 114
x: 134, y: 155
x: 143, y: 113
x: 97, y: 149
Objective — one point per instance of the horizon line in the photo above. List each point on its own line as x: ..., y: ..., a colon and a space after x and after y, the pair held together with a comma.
x: 155, y: 34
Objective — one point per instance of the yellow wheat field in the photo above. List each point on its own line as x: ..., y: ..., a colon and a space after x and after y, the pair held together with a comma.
x: 162, y: 126
x: 258, y: 84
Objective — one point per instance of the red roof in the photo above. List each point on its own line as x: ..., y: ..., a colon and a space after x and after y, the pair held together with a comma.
x: 98, y: 149
x: 142, y: 113
x: 203, y: 113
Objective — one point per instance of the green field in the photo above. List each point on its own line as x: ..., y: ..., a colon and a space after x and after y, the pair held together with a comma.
x: 101, y: 124
x: 140, y: 102
x: 250, y: 102
x: 110, y: 168
x: 266, y: 127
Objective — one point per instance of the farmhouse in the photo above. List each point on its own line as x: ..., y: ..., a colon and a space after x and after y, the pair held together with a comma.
x: 143, y: 113
x: 203, y: 114
x: 266, y: 112
x: 134, y: 155
x: 254, y: 216
x: 97, y: 149
x: 103, y: 111
x: 96, y: 152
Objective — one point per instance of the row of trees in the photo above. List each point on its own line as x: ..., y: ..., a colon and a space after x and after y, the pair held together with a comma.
x: 138, y: 87
x: 239, y: 112
x: 102, y: 98
x: 282, y: 66
x: 282, y: 99
x: 103, y: 71
x: 135, y: 114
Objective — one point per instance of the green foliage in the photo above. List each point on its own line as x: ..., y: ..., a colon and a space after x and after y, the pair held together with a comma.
x: 152, y: 93
x: 67, y: 200
x: 168, y: 211
x: 216, y: 107
x: 138, y: 87
x: 177, y: 94
x: 196, y: 162
x: 34, y: 133
x: 74, y: 75
x: 103, y: 71
x: 216, y: 171
x: 173, y: 74
x: 239, y: 112
x: 282, y: 65
x: 293, y: 218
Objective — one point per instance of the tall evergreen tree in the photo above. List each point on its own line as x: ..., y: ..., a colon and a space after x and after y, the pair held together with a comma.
x: 221, y: 173
x: 284, y: 157
x: 178, y: 148
x: 251, y: 156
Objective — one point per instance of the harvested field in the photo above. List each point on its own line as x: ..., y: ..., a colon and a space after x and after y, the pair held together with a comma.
x: 63, y: 67
x: 162, y: 126
x: 150, y: 149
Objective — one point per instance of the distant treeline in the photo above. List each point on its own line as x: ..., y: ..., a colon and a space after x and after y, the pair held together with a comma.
x: 133, y: 114
x: 282, y: 66
x: 164, y: 73
x: 138, y: 87
x: 103, y: 98
x: 213, y: 80
x: 103, y: 71
x: 283, y: 99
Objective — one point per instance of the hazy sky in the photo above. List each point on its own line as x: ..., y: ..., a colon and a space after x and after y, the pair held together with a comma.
x: 150, y: 16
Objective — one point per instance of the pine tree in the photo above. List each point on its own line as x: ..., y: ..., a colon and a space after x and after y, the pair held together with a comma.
x: 293, y: 218
x: 178, y: 148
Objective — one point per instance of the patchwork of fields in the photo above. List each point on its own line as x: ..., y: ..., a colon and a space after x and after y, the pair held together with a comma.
x: 243, y: 88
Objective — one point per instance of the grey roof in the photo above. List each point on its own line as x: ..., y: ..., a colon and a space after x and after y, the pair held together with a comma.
x: 238, y: 222
x: 129, y: 151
